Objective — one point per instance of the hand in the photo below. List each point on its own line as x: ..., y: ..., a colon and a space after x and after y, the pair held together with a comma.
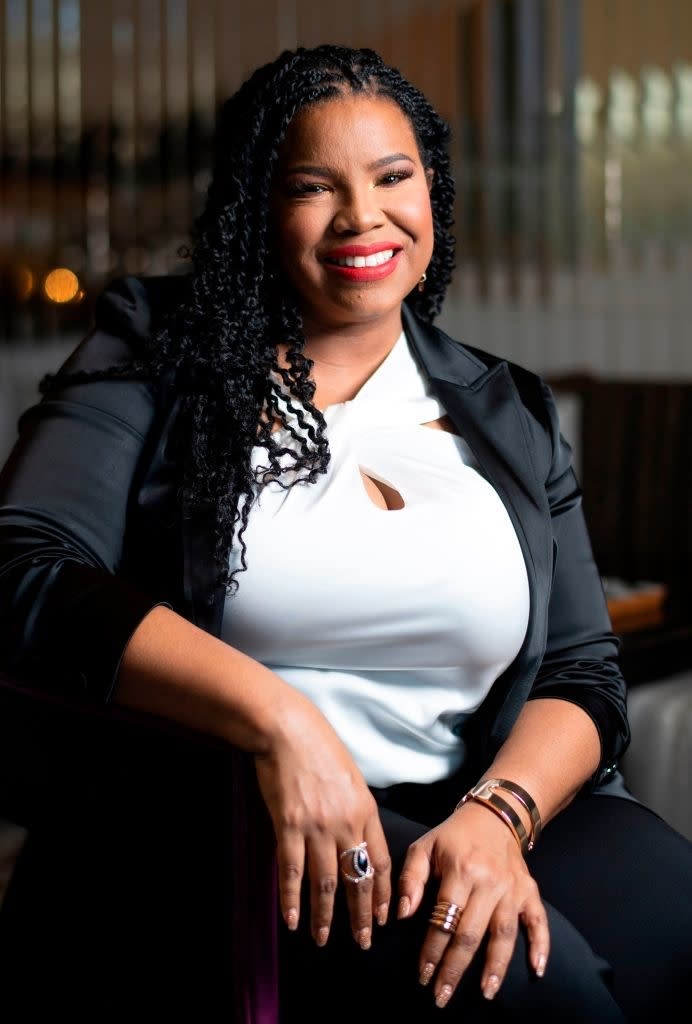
x: 320, y: 805
x: 481, y: 869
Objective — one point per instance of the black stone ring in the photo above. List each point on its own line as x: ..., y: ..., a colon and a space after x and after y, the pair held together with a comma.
x: 359, y: 863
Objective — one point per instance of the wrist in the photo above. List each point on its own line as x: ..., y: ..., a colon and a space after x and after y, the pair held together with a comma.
x: 493, y: 793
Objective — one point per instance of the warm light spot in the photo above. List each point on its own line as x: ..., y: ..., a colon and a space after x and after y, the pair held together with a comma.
x: 61, y: 285
x: 25, y: 282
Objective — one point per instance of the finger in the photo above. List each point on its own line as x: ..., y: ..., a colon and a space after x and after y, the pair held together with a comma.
x: 359, y: 898
x: 437, y: 939
x: 413, y: 878
x: 463, y: 945
x: 290, y: 855
x: 535, y: 920
x: 504, y: 925
x: 381, y: 862
x: 323, y: 871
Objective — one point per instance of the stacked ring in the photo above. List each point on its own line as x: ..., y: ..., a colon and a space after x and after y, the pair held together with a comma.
x: 360, y: 865
x: 446, y: 916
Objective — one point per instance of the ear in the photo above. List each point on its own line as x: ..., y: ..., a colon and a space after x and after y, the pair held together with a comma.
x: 429, y: 176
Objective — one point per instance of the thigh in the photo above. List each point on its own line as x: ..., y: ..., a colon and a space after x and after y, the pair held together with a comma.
x: 624, y: 879
x: 316, y: 983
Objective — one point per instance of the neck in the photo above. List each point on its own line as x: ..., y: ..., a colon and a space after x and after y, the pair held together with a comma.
x: 345, y: 357
x: 351, y: 345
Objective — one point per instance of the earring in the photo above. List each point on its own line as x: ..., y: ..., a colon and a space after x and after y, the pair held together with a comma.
x: 421, y: 283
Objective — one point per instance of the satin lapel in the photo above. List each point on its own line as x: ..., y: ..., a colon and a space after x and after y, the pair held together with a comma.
x: 486, y: 409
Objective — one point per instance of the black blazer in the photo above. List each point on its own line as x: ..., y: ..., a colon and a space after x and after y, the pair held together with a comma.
x: 92, y: 536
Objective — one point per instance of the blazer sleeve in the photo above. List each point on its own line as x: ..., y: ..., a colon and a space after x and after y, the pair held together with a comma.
x: 581, y: 656
x: 65, y: 613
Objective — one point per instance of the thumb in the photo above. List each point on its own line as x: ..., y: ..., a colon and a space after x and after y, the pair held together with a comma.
x: 412, y: 880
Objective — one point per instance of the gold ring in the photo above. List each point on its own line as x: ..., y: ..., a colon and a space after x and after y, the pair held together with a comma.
x: 446, y: 916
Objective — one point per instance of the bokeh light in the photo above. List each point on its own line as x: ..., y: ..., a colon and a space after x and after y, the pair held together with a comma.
x: 24, y: 282
x: 61, y: 285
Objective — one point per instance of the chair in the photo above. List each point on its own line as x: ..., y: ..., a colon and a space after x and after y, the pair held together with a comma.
x: 126, y: 825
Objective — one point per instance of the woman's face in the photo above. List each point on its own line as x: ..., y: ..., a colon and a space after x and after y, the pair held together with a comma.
x: 351, y: 211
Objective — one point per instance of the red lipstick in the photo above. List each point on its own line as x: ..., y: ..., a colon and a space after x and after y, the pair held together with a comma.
x: 360, y: 250
x: 362, y: 274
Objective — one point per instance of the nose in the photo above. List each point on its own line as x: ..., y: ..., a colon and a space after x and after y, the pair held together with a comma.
x: 359, y: 211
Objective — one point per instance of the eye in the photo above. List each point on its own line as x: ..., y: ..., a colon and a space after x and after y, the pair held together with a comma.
x: 394, y: 177
x: 305, y: 188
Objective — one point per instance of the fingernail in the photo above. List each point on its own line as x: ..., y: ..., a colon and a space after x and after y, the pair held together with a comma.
x: 364, y: 938
x: 540, y: 965
x: 404, y: 906
x: 382, y: 912
x: 443, y: 996
x: 322, y: 936
x: 292, y: 919
x: 427, y: 973
x: 491, y: 986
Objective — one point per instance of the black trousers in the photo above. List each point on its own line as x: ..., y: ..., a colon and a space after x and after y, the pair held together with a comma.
x: 617, y: 883
x: 129, y: 917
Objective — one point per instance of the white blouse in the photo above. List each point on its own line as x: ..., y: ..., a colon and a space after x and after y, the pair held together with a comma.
x: 395, y: 623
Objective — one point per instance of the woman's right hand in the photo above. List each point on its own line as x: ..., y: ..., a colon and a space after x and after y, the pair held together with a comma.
x: 320, y: 805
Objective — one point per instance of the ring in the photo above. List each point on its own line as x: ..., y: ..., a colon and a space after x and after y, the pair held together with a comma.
x: 446, y: 916
x: 360, y: 863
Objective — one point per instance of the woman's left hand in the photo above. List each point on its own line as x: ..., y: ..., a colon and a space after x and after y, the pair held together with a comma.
x: 481, y: 869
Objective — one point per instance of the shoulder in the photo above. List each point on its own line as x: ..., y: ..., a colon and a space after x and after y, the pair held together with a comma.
x: 135, y: 306
x: 126, y: 314
x: 448, y: 356
x: 449, y: 359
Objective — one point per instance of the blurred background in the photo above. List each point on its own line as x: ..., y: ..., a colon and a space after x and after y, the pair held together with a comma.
x: 572, y: 144
x: 572, y: 124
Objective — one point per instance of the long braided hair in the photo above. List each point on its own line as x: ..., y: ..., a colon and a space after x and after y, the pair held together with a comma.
x: 221, y: 340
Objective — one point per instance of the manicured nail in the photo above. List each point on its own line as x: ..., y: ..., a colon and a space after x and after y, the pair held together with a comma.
x: 382, y: 913
x: 443, y: 996
x: 292, y: 919
x: 363, y: 938
x: 427, y: 973
x: 404, y: 907
x: 540, y: 965
x: 491, y: 986
x: 322, y: 936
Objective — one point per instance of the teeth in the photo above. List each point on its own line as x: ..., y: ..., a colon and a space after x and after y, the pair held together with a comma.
x: 375, y: 260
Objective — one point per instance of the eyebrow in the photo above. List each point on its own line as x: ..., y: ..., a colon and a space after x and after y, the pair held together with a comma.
x: 325, y: 172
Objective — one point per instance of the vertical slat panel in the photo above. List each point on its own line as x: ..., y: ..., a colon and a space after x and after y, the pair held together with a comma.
x: 572, y: 252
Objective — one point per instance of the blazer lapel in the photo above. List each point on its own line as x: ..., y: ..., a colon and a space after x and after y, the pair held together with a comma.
x: 484, y: 404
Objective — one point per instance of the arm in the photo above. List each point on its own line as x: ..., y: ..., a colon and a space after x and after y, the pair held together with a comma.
x: 317, y: 798
x: 71, y: 622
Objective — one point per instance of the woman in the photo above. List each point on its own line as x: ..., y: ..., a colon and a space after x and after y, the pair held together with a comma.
x: 271, y: 503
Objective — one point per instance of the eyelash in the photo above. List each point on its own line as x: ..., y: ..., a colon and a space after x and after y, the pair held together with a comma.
x: 306, y: 188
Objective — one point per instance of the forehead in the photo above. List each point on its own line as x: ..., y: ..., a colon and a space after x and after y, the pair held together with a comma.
x: 351, y: 128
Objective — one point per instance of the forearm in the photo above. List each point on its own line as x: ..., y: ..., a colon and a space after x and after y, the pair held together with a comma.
x: 173, y: 669
x: 552, y: 751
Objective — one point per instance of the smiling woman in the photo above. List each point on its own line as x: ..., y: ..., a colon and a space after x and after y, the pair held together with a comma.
x: 230, y: 512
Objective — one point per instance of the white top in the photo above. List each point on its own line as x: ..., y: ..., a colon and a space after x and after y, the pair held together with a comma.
x: 394, y: 623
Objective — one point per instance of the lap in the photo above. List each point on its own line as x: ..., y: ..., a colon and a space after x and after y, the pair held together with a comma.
x: 620, y: 933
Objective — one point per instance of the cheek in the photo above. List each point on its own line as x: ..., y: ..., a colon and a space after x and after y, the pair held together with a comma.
x: 416, y: 215
x: 297, y: 235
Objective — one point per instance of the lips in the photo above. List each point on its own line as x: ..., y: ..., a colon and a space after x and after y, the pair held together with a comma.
x: 363, y: 262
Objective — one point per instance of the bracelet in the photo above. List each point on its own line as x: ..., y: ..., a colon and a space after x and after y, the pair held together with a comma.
x: 528, y: 802
x: 484, y: 793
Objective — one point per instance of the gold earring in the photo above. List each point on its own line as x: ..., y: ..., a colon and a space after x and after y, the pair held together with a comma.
x: 421, y: 283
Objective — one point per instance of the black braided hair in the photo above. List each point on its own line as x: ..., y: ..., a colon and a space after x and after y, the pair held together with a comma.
x: 222, y: 339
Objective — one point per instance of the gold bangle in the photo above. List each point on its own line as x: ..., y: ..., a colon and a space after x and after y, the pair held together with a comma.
x: 484, y: 793
x: 528, y: 802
